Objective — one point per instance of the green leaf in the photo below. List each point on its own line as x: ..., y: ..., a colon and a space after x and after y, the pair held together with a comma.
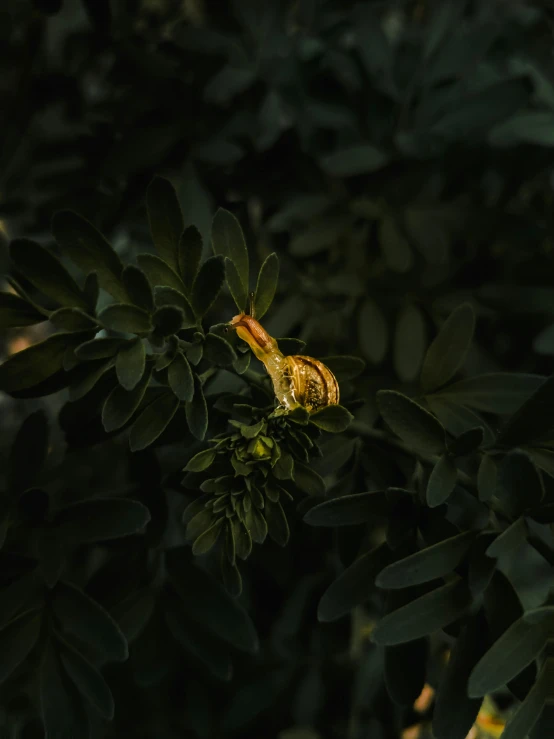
x: 509, y: 540
x: 487, y: 478
x: 168, y: 320
x: 238, y: 291
x: 455, y: 712
x: 354, y: 585
x: 121, y: 404
x: 424, y: 615
x: 56, y: 704
x: 28, y: 452
x: 409, y: 343
x: 396, y: 249
x: 441, y: 481
x: 134, y: 612
x: 526, y: 126
x: 354, y: 160
x: 17, y: 639
x: 153, y: 420
x: 169, y: 296
x: 277, y: 524
x: 83, y: 617
x: 457, y: 419
x: 543, y: 459
x: 519, y: 484
x: 349, y: 510
x: 102, y: 348
x: 268, y: 279
x: 343, y: 367
x: 88, y: 681
x: 428, y: 564
x: 35, y: 364
x: 180, y: 378
x: 283, y: 468
x: 332, y: 418
x: 130, y: 365
x: 447, y: 352
x: 308, y: 480
x: 207, y: 285
x: 256, y: 525
x: 208, y: 539
x: 496, y: 392
x: 90, y: 251
x: 208, y: 604
x: 45, y: 272
x: 404, y: 670
x: 72, y: 319
x: 408, y: 420
x: 125, y: 318
x: 86, y: 376
x: 527, y: 714
x: 218, y: 350
x: 15, y: 312
x: 190, y: 254
x: 442, y: 24
x: 200, y: 461
x: 166, y: 219
x: 197, y: 411
x: 159, y: 273
x: 138, y: 288
x: 530, y: 423
x: 103, y: 519
x: 518, y: 646
x: 467, y: 442
x: 372, y: 332
x: 228, y: 241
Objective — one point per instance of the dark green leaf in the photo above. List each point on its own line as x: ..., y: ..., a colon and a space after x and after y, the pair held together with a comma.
x: 441, y: 481
x: 527, y: 714
x: 447, y: 352
x: 208, y: 603
x: 34, y: 365
x: 396, y: 249
x: 509, y: 540
x: 277, y: 525
x: 200, y: 461
x: 169, y: 296
x: 414, y: 425
x: 308, y: 480
x: 180, y: 378
x: 88, y: 621
x: 466, y: 442
x: 130, y: 364
x: 153, y: 420
x: 283, y: 469
x: 56, y: 703
x: 159, y: 273
x: 138, y: 288
x: 90, y: 251
x: 168, y: 320
x: 102, y: 519
x: 197, y: 411
x: 343, y: 367
x: 405, y: 670
x: 207, y: 285
x: 372, y: 332
x: 17, y: 639
x: 428, y: 564
x: 425, y: 615
x: 354, y: 585
x: 190, y: 253
x: 28, y: 452
x: 544, y: 459
x: 409, y: 343
x: 86, y: 376
x: 46, y: 273
x: 15, y: 312
x: 125, y: 318
x: 238, y: 291
x: 102, y: 348
x: 268, y: 279
x: 228, y: 241
x: 331, y: 418
x: 88, y: 681
x: 518, y: 646
x: 497, y: 392
x: 166, y: 219
x: 72, y: 319
x: 530, y: 423
x: 455, y: 712
x: 349, y: 510
x: 134, y: 612
x: 487, y: 477
x: 121, y: 404
x: 354, y: 160
x: 519, y: 484
x: 457, y: 419
x: 218, y: 350
x: 208, y: 538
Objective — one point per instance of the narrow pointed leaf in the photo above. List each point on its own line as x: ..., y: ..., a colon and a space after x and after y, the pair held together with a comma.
x: 228, y: 241
x: 268, y: 279
x: 447, y: 352
x: 190, y: 254
x: 197, y: 411
x: 349, y: 510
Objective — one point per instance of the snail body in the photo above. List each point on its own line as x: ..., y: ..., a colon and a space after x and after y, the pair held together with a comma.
x: 298, y: 380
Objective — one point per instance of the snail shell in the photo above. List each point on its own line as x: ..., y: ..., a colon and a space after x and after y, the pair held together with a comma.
x: 297, y: 379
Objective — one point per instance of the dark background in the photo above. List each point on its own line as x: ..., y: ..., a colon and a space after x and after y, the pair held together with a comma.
x: 398, y: 157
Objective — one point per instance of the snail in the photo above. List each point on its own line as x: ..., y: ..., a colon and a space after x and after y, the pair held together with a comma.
x: 297, y: 380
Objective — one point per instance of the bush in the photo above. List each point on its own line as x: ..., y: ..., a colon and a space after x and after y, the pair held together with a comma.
x: 373, y: 181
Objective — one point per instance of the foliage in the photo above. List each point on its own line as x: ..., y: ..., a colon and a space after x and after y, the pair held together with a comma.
x: 391, y: 168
